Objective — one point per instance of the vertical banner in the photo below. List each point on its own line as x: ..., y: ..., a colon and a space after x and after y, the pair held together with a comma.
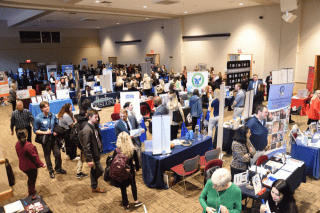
x: 4, y: 85
x: 197, y: 80
x: 236, y: 70
x: 277, y: 122
x: 132, y: 97
x: 310, y: 81
x: 68, y: 69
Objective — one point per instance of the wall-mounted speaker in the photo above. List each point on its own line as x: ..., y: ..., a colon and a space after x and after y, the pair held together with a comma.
x: 289, y: 17
x: 288, y: 5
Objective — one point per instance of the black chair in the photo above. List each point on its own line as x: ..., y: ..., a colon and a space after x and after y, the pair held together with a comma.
x: 298, y: 112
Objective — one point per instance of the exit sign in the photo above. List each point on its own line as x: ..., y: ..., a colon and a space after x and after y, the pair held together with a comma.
x: 28, y: 61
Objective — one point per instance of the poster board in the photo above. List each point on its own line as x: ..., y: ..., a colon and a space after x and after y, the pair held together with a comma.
x: 67, y: 69
x: 161, y: 139
x: 310, y: 81
x: 132, y: 97
x: 4, y: 85
x: 62, y: 94
x: 106, y: 81
x: 197, y: 80
x: 247, y: 111
x: 51, y: 68
x: 22, y: 94
x: 236, y: 70
x: 277, y: 123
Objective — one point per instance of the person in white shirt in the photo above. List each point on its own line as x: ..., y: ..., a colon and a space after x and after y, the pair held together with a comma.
x: 52, y: 82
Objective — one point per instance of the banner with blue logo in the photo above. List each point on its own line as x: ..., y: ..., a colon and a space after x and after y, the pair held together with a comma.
x: 197, y: 80
x: 277, y: 122
x: 68, y: 69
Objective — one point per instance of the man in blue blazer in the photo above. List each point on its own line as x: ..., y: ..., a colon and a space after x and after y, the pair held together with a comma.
x: 127, y: 123
x: 259, y: 133
x: 254, y: 84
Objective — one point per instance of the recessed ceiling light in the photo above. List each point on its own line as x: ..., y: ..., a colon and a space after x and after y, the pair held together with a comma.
x: 144, y: 6
x: 185, y: 11
x: 147, y: 18
x: 97, y: 1
x: 117, y: 23
x: 240, y: 3
x: 97, y: 27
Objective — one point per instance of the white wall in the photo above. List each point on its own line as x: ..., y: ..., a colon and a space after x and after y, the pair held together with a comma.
x: 164, y: 41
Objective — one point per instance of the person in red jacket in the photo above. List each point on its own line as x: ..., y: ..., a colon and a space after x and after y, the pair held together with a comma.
x: 29, y: 160
x: 314, y: 110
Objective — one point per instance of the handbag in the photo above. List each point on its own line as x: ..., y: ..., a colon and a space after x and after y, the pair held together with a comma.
x: 176, y: 116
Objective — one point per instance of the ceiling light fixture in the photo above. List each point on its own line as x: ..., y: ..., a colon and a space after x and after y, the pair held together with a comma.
x: 97, y: 1
x: 147, y: 18
x: 117, y: 23
x: 240, y: 3
x: 97, y: 27
x: 185, y: 11
x: 144, y: 6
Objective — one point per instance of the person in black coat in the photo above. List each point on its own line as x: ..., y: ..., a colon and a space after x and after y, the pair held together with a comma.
x: 258, y: 98
x: 269, y: 82
x: 126, y: 147
x: 244, y: 83
x: 280, y: 199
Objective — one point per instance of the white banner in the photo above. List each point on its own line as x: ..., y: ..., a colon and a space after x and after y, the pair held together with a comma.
x: 132, y: 97
x: 197, y: 80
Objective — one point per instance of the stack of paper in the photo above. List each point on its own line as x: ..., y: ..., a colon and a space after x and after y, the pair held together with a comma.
x: 259, y: 170
x: 289, y: 167
x: 281, y: 174
x: 14, y: 207
x: 295, y: 162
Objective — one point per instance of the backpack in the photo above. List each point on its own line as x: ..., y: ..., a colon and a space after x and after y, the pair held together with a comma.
x: 209, y: 173
x: 118, y: 167
x: 10, y: 174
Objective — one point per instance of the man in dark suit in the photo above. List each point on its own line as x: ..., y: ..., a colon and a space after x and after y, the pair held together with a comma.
x: 269, y: 82
x: 259, y: 131
x: 127, y: 123
x: 254, y: 84
x: 91, y: 142
x: 160, y: 109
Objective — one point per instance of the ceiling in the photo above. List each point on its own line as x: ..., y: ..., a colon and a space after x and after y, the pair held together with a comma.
x: 68, y: 13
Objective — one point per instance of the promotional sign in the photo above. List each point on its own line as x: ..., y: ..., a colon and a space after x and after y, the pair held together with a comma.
x: 277, y: 123
x: 52, y: 68
x: 4, y: 85
x: 68, y: 69
x: 197, y: 80
x: 236, y: 70
x: 62, y: 94
x: 132, y: 97
x: 310, y: 81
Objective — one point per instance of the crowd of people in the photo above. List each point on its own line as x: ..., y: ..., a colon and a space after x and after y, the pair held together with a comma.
x: 81, y: 133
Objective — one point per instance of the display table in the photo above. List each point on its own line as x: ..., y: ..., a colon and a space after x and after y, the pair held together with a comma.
x: 227, y: 139
x: 26, y: 102
x: 29, y: 201
x: 297, y: 177
x: 55, y: 106
x: 310, y: 156
x: 40, y: 88
x: 109, y: 138
x: 153, y: 167
x: 117, y: 106
x: 95, y: 97
x: 73, y: 97
x: 300, y: 102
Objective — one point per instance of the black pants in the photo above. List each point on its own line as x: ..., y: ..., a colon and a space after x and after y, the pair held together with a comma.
x: 51, y: 145
x: 147, y: 92
x: 32, y: 178
x: 235, y: 171
x: 29, y: 132
x: 14, y: 103
x: 194, y: 122
x: 95, y: 172
x: 123, y: 187
x: 174, y: 131
x: 71, y: 148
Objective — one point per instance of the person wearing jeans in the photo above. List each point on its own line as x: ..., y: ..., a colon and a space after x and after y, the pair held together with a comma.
x: 196, y: 107
x: 238, y: 102
x: 214, y: 112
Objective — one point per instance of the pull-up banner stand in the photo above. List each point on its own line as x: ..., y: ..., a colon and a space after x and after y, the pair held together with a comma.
x: 236, y: 70
x: 221, y: 116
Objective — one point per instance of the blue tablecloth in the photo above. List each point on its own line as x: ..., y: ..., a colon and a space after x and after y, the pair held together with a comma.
x: 73, y: 97
x: 55, y: 106
x: 109, y: 138
x: 153, y: 167
x: 310, y: 156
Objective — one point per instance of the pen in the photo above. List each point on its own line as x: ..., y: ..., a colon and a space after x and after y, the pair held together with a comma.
x: 262, y: 200
x: 25, y: 203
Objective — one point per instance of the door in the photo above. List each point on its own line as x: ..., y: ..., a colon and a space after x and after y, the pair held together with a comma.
x: 113, y: 60
x: 155, y: 56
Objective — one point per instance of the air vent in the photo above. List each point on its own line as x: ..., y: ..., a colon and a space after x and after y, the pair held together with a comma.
x: 89, y: 19
x: 106, y: 2
x: 166, y: 2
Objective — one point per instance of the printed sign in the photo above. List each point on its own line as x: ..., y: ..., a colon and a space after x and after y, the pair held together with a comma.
x: 310, y: 81
x: 197, y: 80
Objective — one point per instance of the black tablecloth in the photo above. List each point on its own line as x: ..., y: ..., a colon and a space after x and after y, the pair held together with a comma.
x: 94, y: 97
x: 227, y: 139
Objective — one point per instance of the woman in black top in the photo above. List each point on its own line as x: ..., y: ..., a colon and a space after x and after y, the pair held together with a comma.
x: 124, y: 143
x: 244, y: 83
x: 280, y: 199
x: 258, y: 97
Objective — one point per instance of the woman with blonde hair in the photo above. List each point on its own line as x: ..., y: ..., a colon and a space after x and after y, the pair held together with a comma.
x: 13, y: 96
x: 146, y: 84
x: 126, y: 147
x: 314, y: 110
x: 174, y: 105
x: 119, y: 83
x: 214, y: 111
x: 207, y: 96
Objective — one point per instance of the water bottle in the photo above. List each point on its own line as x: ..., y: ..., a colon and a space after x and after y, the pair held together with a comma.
x: 205, y: 132
x: 196, y: 131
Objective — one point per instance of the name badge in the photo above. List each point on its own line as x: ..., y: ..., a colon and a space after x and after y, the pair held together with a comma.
x: 45, y: 122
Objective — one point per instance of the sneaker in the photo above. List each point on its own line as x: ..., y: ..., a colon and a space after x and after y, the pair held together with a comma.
x: 127, y: 208
x: 137, y: 204
x: 76, y: 159
x: 81, y: 175
x: 63, y: 148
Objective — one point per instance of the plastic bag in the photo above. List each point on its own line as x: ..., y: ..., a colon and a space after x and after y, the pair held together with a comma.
x: 184, y: 129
